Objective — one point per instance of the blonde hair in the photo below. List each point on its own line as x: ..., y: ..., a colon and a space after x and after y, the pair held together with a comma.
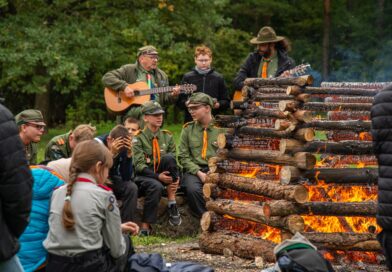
x: 85, y: 156
x: 84, y: 132
x: 203, y: 50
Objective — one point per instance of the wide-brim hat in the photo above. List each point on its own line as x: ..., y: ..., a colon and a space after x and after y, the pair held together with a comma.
x: 266, y: 35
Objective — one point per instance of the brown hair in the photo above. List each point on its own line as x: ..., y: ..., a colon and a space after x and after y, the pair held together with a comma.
x: 119, y: 131
x: 84, y: 132
x: 84, y: 157
x: 131, y: 120
x: 203, y: 50
x: 284, y: 45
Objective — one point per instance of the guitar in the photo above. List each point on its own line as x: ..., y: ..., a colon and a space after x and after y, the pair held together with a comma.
x: 118, y: 102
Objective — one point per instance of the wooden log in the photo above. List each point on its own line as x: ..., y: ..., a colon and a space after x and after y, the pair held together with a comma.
x: 211, y: 190
x: 259, y: 111
x: 276, y: 81
x: 268, y: 188
x: 323, y: 106
x: 289, y: 105
x: 348, y: 115
x: 231, y: 141
x: 362, y: 85
x: 349, y: 99
x: 342, y: 135
x: 344, y: 241
x: 355, y: 126
x: 248, y: 91
x: 303, y: 134
x: 302, y: 115
x: 230, y: 121
x: 289, y: 146
x: 239, y: 105
x: 289, y: 174
x: 241, y: 245
x: 295, y: 90
x: 279, y: 97
x: 285, y: 208
x: 292, y: 223
x: 209, y: 220
x: 301, y: 160
x: 282, y: 124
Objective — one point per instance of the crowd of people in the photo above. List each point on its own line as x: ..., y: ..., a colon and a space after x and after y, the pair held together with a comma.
x: 76, y: 210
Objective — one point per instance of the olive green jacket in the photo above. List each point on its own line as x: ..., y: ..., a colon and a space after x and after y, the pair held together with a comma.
x: 31, y: 153
x: 142, y: 147
x: 191, y: 144
x: 58, y: 147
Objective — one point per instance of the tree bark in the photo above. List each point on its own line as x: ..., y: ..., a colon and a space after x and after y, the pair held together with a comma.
x: 323, y: 106
x: 268, y: 188
x: 301, y: 160
x: 285, y: 208
x: 288, y: 146
x: 259, y: 111
x: 231, y: 141
x: 348, y: 115
x: 341, y: 135
x: 244, y: 246
x: 305, y: 134
x: 279, y: 81
x: 295, y: 90
x: 355, y: 85
x: 250, y: 91
x: 349, y: 99
x: 361, y: 176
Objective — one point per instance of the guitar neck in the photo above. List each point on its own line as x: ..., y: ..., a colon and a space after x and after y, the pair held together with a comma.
x: 155, y: 90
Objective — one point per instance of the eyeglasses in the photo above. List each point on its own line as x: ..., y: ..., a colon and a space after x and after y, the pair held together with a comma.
x: 156, y: 57
x: 38, y: 127
x: 203, y: 60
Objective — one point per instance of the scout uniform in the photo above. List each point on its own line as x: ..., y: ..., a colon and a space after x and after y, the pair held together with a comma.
x: 197, y: 145
x: 97, y: 225
x: 24, y: 117
x: 153, y: 153
x: 58, y: 148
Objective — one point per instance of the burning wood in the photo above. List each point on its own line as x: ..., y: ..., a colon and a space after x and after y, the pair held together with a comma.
x: 271, y: 189
x: 302, y: 160
x: 295, y: 90
x: 285, y: 208
x: 338, y: 136
x: 324, y: 106
x: 362, y: 176
x: 292, y: 223
x: 260, y: 111
x: 248, y: 91
x: 349, y: 99
x: 348, y: 115
x: 355, y: 126
x: 305, y: 134
x: 279, y: 96
x: 279, y: 81
x: 211, y: 190
x: 231, y: 141
x: 232, y: 121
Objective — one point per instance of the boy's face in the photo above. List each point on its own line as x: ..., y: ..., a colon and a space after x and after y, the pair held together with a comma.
x: 132, y: 128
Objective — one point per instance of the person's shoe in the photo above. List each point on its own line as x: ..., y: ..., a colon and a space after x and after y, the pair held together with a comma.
x: 174, y: 215
x: 144, y: 233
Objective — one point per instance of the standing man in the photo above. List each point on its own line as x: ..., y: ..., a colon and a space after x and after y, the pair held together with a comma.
x: 198, y: 144
x: 31, y: 127
x: 61, y: 146
x: 207, y: 80
x: 15, y: 191
x: 145, y: 69
x: 154, y: 158
x: 269, y: 60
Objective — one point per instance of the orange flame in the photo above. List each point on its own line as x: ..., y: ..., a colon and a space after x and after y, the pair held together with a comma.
x: 339, y: 224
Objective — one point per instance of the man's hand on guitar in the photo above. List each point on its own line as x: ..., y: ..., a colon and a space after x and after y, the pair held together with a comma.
x: 176, y: 91
x: 129, y: 92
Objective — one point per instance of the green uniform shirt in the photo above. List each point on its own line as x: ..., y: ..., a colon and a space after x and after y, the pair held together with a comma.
x: 142, y: 147
x: 58, y: 148
x: 31, y: 151
x: 191, y: 145
x: 272, y: 67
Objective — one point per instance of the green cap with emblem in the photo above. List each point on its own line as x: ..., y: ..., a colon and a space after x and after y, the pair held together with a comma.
x: 200, y: 98
x: 151, y: 108
x: 147, y: 50
x: 28, y: 116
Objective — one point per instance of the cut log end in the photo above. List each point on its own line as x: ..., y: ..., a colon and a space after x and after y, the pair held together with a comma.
x: 294, y: 90
x: 208, y: 220
x: 288, y: 173
x: 281, y: 124
x: 295, y: 223
x: 305, y: 160
x: 305, y: 134
x: 304, y: 116
x: 208, y: 189
x: 301, y: 194
x: 289, y: 145
x: 221, y: 140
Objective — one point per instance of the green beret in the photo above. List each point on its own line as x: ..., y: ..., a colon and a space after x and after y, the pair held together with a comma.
x: 200, y: 98
x: 151, y: 108
x: 28, y: 116
x: 147, y: 50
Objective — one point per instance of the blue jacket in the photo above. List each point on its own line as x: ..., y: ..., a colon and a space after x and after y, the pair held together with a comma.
x: 32, y: 253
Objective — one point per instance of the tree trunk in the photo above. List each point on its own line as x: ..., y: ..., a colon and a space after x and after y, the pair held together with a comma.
x: 268, y: 188
x: 348, y: 115
x: 279, y: 81
x: 244, y: 246
x: 359, y: 176
x: 355, y: 85
x: 289, y: 146
x: 305, y: 134
x: 323, y: 106
x: 349, y: 99
x: 285, y: 208
x: 231, y: 141
x: 42, y: 103
x: 326, y: 33
x: 301, y: 160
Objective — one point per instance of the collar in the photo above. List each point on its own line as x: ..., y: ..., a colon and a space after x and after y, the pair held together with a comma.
x: 88, y: 177
x: 150, y: 134
x: 209, y: 127
x: 144, y: 71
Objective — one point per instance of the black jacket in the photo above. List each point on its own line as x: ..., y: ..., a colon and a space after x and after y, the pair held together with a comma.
x: 251, y: 67
x: 211, y: 83
x: 381, y: 114
x: 15, y: 186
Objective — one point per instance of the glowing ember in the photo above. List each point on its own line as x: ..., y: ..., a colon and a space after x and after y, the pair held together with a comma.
x: 343, y: 161
x: 334, y: 224
x: 240, y: 196
x: 350, y: 256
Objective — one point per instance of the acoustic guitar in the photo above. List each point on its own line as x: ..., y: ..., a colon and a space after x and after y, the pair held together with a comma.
x: 118, y: 102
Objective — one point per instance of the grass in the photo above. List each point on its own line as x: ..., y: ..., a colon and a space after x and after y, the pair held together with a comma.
x: 154, y: 240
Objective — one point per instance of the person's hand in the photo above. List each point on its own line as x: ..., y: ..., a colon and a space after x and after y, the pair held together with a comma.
x: 202, y: 176
x: 127, y: 143
x: 130, y: 227
x: 116, y: 146
x: 216, y: 105
x: 129, y: 92
x: 165, y: 177
x: 172, y: 187
x: 176, y: 91
x: 285, y: 74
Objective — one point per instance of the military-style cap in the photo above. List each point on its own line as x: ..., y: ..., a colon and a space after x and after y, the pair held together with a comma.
x: 200, y: 98
x: 147, y: 50
x: 28, y: 116
x: 151, y: 108
x: 266, y: 35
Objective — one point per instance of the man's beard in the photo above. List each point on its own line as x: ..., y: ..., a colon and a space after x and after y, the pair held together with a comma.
x: 266, y: 53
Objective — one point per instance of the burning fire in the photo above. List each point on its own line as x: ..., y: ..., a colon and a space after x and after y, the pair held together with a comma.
x: 348, y: 256
x: 240, y: 196
x: 343, y: 161
x: 339, y: 224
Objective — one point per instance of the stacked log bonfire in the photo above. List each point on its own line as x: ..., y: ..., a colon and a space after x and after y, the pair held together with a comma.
x: 295, y: 158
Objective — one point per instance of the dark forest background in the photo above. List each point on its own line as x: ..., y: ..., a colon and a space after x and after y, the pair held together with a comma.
x: 54, y: 53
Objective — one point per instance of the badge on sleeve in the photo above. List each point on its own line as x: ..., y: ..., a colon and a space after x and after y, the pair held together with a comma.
x: 110, y: 207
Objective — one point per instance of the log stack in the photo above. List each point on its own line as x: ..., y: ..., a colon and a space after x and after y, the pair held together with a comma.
x: 299, y: 158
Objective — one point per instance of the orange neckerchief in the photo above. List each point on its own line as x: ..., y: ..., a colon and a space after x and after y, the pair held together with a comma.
x: 264, y: 70
x: 156, y: 153
x: 205, y: 145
